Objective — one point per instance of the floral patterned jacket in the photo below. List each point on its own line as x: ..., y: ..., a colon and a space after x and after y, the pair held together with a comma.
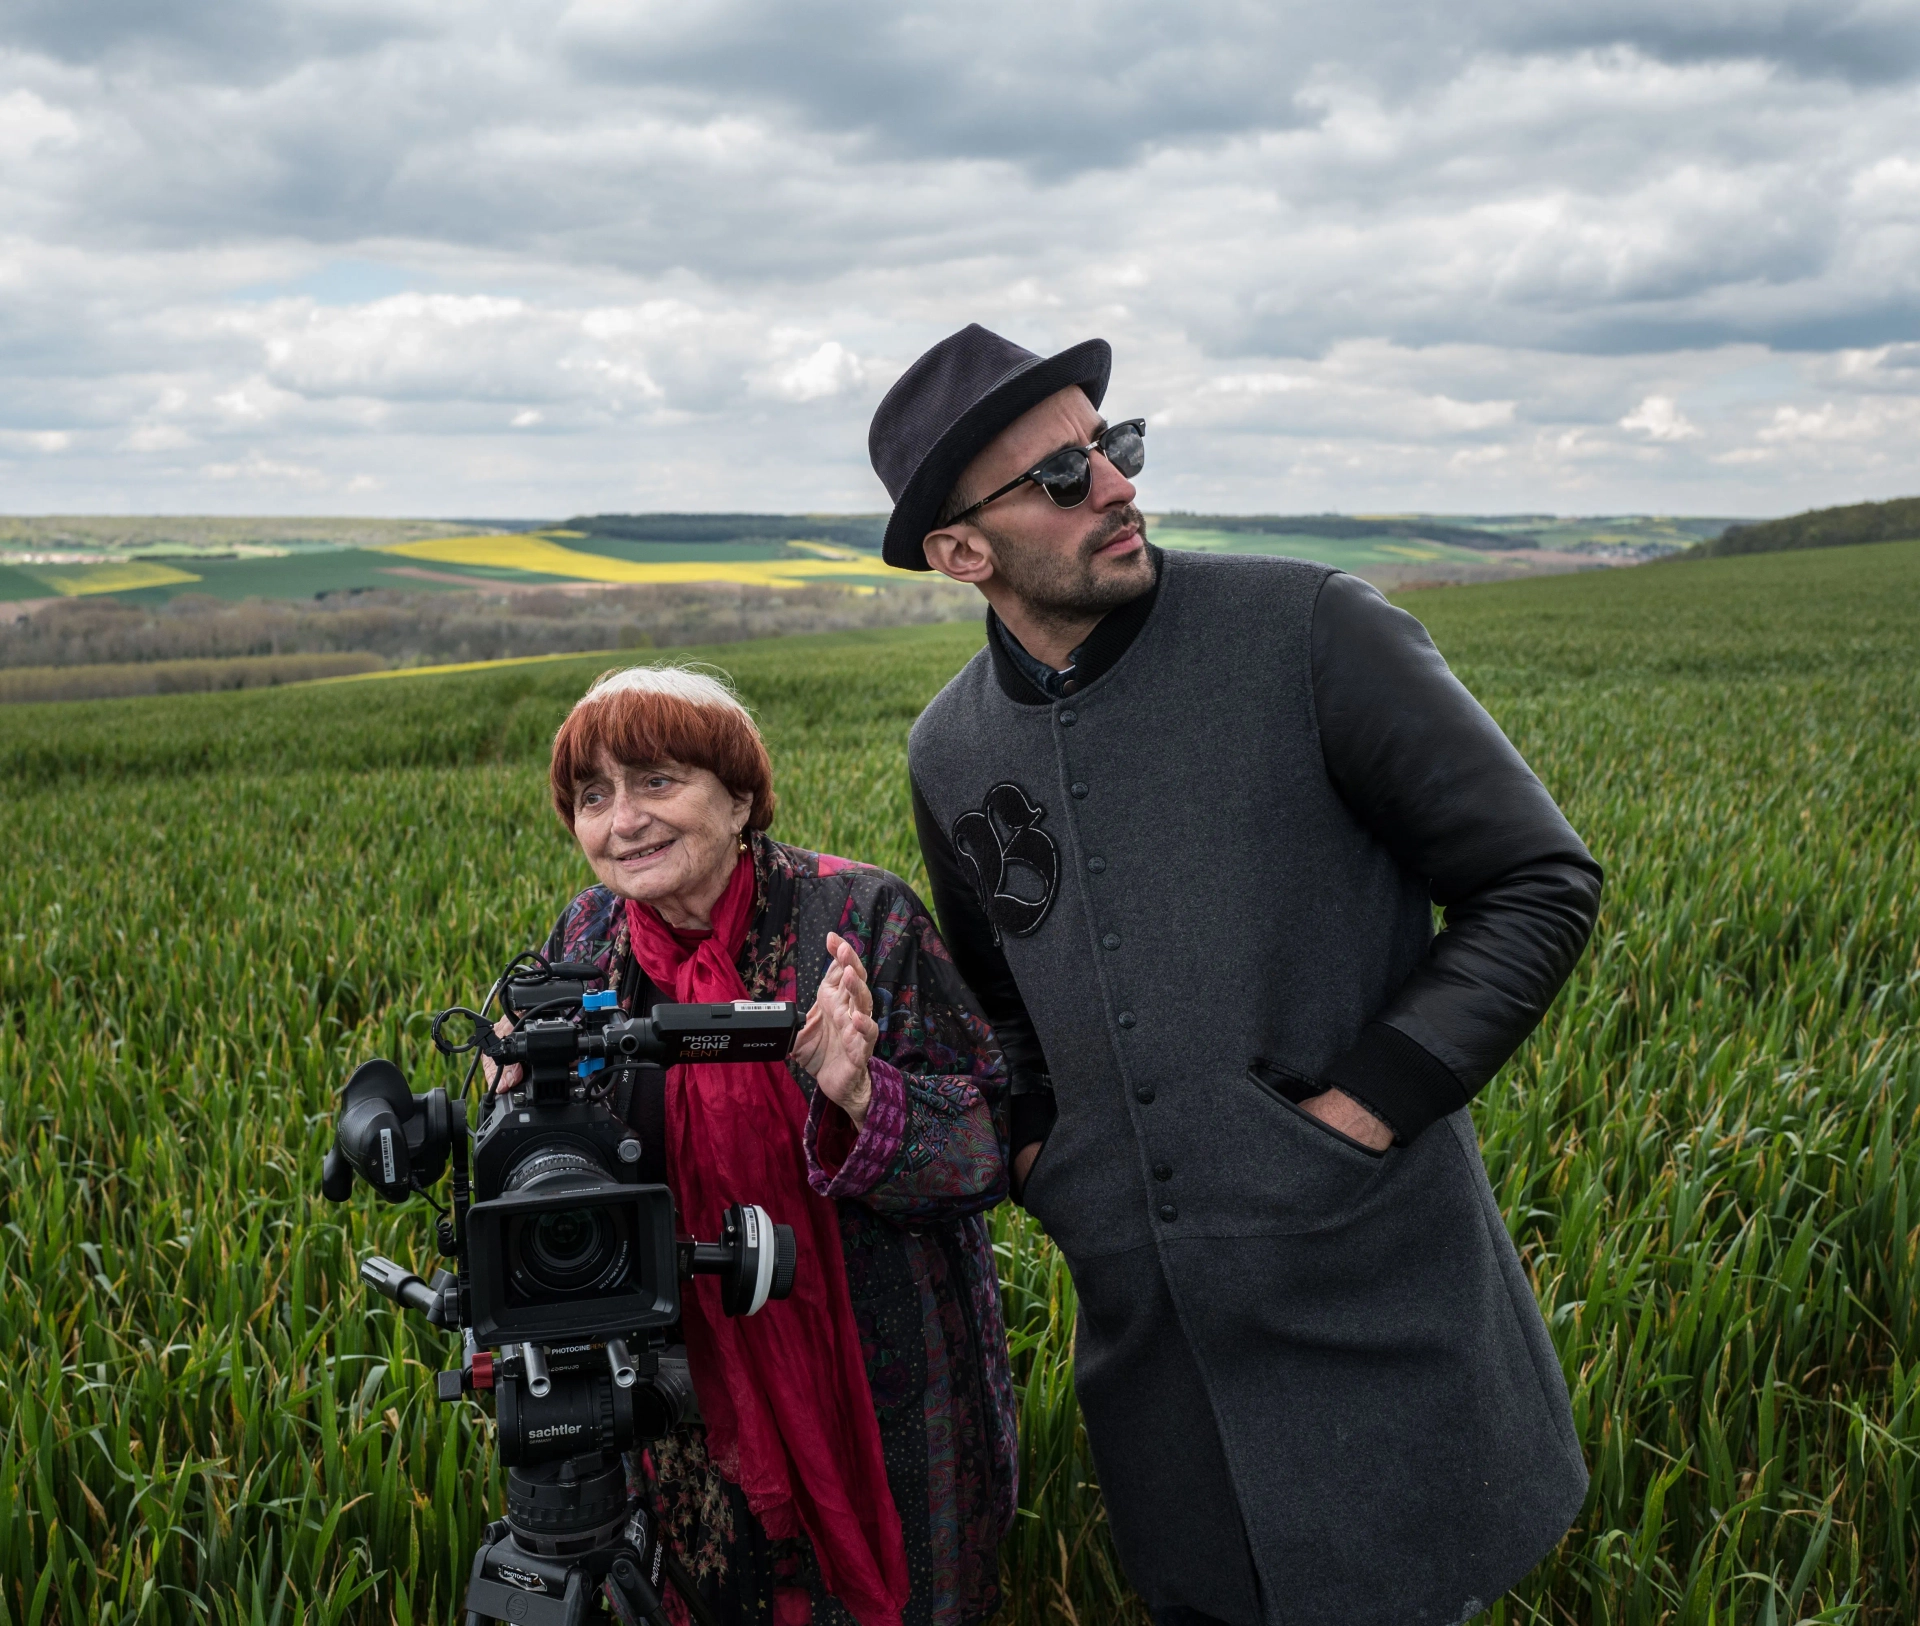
x: 912, y: 1188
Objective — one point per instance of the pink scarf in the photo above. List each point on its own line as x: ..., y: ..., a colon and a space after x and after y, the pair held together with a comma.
x: 788, y: 1410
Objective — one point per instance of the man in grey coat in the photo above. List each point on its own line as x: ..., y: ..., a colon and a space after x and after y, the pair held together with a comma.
x: 1185, y: 819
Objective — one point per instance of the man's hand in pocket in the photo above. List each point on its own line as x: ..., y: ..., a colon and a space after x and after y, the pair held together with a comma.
x: 1338, y: 1110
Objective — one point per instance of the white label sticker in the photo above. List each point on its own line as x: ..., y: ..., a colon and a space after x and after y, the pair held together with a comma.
x: 386, y: 1154
x: 759, y: 1004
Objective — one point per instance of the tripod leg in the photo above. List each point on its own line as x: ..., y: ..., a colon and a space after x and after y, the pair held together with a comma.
x: 474, y: 1617
x: 497, y: 1591
x: 636, y: 1592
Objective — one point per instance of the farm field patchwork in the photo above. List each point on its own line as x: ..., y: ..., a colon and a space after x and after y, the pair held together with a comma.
x: 425, y: 556
x: 1348, y: 554
x: 216, y: 905
x: 1652, y: 535
x: 293, y: 575
x: 788, y: 565
x: 450, y: 563
x: 76, y: 581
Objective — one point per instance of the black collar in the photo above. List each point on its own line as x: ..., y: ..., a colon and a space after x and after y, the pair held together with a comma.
x: 1111, y: 638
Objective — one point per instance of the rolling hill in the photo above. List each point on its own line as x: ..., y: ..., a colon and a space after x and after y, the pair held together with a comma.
x: 1893, y: 521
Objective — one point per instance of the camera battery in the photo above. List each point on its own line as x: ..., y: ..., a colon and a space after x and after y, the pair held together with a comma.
x: 736, y: 1030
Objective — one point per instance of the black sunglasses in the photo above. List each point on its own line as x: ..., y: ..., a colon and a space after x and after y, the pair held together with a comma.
x: 1067, y: 476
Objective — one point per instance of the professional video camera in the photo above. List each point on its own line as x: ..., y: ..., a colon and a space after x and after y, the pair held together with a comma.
x: 567, y: 1270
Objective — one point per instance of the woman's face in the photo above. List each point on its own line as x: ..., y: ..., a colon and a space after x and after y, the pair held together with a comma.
x: 663, y: 834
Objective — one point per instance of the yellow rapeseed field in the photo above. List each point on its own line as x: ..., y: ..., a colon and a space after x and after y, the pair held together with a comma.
x: 830, y: 550
x: 72, y: 581
x: 614, y: 656
x: 549, y: 558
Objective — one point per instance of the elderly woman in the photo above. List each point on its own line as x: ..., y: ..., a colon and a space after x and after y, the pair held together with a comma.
x: 856, y: 1458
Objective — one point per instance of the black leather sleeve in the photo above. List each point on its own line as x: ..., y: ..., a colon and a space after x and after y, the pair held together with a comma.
x: 1429, y: 773
x: 976, y: 954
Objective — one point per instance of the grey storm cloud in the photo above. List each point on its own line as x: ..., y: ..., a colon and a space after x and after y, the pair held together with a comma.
x: 1875, y: 43
x: 229, y: 42
x: 1348, y: 240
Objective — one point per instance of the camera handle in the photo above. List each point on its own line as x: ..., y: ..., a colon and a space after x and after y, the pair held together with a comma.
x: 408, y: 1291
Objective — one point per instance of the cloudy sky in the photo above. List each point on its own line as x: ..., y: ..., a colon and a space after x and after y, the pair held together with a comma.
x: 533, y: 258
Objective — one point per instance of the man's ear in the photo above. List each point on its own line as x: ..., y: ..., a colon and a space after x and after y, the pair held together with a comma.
x: 961, y: 552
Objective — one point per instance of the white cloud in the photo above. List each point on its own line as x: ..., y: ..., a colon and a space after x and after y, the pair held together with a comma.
x: 27, y: 123
x: 250, y: 403
x: 829, y: 370
x: 1825, y: 422
x: 1476, y: 257
x: 266, y: 473
x: 1460, y: 416
x: 44, y: 442
x: 1259, y: 383
x: 157, y: 437
x: 1658, y: 418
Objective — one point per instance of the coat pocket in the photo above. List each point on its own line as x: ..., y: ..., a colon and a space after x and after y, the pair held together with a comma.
x: 1039, y: 1157
x: 1290, y: 1089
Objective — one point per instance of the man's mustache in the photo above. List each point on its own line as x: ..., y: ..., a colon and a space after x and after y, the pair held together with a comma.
x: 1124, y: 519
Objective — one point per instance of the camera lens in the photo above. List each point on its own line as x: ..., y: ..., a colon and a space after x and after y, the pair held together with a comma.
x: 561, y: 1247
x: 565, y: 1252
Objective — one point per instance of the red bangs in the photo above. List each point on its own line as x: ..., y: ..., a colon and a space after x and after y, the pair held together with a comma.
x: 639, y: 729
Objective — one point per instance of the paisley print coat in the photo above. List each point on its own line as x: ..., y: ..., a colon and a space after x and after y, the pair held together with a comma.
x: 912, y: 1187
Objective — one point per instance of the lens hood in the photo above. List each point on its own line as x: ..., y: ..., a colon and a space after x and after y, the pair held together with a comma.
x: 514, y: 1304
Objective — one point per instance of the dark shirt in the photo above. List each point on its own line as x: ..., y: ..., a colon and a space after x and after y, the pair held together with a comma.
x: 1054, y: 684
x: 1028, y: 679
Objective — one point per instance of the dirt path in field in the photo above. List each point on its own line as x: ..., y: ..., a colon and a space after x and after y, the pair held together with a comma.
x: 1518, y: 565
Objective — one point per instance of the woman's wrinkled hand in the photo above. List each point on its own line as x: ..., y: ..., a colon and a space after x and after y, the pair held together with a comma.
x: 836, y: 1041
x: 509, y: 1076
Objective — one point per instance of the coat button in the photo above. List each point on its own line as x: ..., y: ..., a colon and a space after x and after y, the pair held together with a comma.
x: 1163, y: 1171
x: 1126, y: 1019
x: 1168, y: 1212
x: 1144, y: 1095
x: 1097, y: 865
x: 1077, y: 791
x: 1069, y: 718
x: 1069, y: 685
x: 1110, y: 941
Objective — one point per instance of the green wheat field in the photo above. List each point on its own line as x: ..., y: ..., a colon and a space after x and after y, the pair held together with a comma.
x: 215, y: 906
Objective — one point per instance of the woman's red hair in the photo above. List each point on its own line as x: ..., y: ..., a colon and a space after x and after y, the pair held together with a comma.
x: 649, y: 715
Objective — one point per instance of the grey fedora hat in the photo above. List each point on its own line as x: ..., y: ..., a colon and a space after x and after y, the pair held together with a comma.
x: 946, y: 407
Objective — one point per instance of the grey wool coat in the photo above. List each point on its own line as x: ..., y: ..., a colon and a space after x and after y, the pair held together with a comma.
x: 1194, y: 892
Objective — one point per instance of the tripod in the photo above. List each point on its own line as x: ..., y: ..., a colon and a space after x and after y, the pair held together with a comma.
x: 573, y: 1530
x: 577, y: 1528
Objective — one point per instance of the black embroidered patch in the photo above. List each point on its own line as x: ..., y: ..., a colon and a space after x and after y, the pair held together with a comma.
x: 1016, y: 866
